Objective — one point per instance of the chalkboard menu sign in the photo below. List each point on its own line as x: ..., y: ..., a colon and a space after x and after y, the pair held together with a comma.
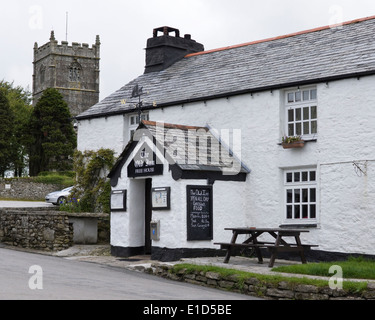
x: 199, y: 213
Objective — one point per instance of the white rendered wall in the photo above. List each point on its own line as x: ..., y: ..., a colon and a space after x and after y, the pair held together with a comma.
x: 97, y: 133
x: 346, y: 132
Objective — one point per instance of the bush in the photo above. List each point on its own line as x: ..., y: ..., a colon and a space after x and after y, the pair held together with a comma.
x: 65, y: 179
x: 93, y: 187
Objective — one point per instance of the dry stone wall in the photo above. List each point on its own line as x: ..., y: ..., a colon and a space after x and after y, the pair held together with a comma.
x: 40, y: 230
x: 24, y: 189
x: 275, y: 290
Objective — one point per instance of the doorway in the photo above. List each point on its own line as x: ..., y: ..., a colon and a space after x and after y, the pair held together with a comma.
x: 148, y: 215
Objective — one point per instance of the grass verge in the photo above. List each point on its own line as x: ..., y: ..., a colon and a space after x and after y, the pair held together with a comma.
x: 273, y: 280
x: 353, y: 268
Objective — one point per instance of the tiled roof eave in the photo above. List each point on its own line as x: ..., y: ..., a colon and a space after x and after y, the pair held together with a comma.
x: 313, y: 80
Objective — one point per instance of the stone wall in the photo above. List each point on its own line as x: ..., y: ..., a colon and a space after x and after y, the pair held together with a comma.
x: 25, y: 189
x: 40, y: 230
x: 48, y: 230
x: 273, y: 290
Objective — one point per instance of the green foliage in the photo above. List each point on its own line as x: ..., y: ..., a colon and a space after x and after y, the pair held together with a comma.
x: 64, y: 179
x: 6, y: 133
x: 72, y: 205
x: 92, y: 186
x: 353, y: 268
x: 291, y: 139
x: 53, y: 139
x: 19, y: 113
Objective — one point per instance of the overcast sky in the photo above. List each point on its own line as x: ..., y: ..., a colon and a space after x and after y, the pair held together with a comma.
x: 125, y: 26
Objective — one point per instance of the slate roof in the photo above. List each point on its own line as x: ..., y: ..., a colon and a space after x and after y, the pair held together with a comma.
x: 187, y: 149
x: 307, y: 57
x: 194, y: 148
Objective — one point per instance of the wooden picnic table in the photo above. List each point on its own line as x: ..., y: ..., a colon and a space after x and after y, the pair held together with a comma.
x: 278, y: 245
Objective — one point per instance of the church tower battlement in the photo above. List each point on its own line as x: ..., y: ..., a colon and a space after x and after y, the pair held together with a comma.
x: 74, y: 70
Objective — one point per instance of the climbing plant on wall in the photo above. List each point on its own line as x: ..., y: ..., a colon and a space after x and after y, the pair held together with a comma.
x: 92, y: 187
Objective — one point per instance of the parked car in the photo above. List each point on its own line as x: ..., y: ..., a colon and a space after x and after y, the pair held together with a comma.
x: 59, y: 197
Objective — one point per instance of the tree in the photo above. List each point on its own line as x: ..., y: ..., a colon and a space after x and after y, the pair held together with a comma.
x: 53, y: 138
x: 20, y: 105
x: 6, y: 133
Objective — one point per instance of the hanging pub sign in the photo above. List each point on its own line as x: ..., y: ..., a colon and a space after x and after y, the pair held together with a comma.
x: 199, y: 213
x: 145, y: 163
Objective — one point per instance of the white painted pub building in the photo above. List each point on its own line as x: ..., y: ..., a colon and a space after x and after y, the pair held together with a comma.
x: 209, y: 154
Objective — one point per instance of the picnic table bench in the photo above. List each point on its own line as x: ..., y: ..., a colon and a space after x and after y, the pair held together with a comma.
x: 279, y: 245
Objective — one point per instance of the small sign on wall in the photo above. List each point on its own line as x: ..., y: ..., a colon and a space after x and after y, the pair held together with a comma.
x: 118, y: 200
x: 161, y: 198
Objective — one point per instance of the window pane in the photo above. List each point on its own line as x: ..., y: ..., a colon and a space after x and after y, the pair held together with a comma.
x: 132, y: 120
x: 289, y: 177
x: 312, y: 195
x: 291, y: 97
x: 306, y: 95
x: 314, y: 94
x: 297, y: 176
x: 314, y: 127
x: 312, y: 175
x: 291, y: 115
x: 313, y: 211
x: 297, y: 214
x: 305, y: 195
x: 306, y: 113
x: 304, y: 176
x: 314, y: 113
x: 289, y: 212
x: 298, y: 129
x: 305, y: 211
x: 297, y: 195
x: 289, y: 196
x: 298, y: 114
x: 298, y: 96
x: 306, y: 128
x: 291, y: 130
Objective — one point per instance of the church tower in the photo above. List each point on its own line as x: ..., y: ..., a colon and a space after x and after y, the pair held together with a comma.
x: 73, y: 70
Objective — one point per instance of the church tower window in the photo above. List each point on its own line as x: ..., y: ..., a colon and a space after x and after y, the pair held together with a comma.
x: 42, y: 74
x: 75, y: 70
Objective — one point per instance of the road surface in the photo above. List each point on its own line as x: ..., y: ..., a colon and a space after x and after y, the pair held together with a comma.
x: 27, y: 276
x: 25, y: 204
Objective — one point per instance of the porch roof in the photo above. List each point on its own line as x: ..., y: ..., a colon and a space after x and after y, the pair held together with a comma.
x: 191, y: 152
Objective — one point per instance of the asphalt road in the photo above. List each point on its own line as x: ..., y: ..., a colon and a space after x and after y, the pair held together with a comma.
x: 54, y: 278
x: 25, y: 204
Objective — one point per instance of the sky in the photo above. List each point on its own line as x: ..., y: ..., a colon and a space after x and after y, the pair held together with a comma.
x: 125, y: 26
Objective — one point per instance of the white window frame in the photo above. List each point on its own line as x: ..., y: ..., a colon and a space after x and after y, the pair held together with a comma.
x: 301, y: 113
x: 134, y: 122
x: 300, y: 196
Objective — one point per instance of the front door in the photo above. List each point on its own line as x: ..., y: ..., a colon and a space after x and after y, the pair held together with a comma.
x: 148, y: 215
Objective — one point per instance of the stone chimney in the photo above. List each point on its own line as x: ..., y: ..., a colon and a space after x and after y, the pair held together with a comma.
x: 163, y: 51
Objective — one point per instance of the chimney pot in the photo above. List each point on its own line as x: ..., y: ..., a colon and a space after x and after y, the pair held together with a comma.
x: 166, y: 31
x: 163, y: 51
